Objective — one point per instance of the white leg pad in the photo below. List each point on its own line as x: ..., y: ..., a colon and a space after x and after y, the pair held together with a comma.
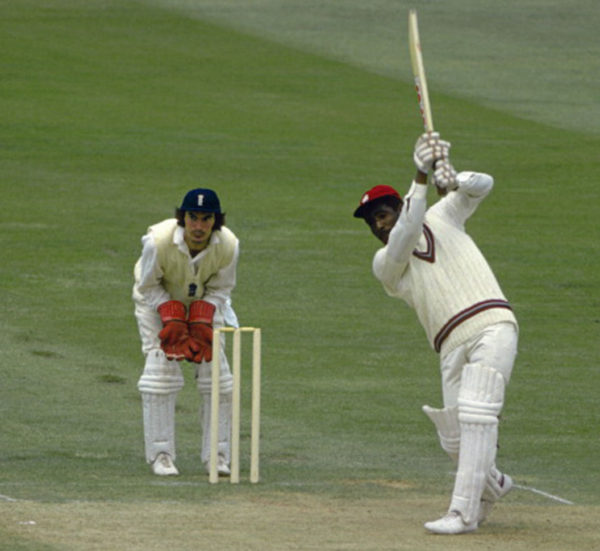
x: 204, y: 384
x: 224, y: 427
x: 480, y: 401
x: 497, y: 485
x: 159, y: 425
x: 159, y: 384
x: 448, y: 428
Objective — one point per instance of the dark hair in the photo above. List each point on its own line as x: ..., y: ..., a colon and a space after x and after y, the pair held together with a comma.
x: 219, y: 218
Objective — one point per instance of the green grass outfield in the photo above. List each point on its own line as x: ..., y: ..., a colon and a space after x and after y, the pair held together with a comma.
x: 111, y: 111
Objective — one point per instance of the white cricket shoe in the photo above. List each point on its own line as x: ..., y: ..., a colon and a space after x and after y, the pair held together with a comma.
x: 222, y: 466
x: 452, y: 523
x: 163, y: 465
x: 495, y: 489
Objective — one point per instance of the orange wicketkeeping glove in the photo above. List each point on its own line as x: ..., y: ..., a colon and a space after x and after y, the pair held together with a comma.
x: 174, y: 336
x: 200, y: 323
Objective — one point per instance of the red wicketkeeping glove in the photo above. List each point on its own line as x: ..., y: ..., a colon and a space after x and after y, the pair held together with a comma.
x: 200, y: 323
x: 174, y: 336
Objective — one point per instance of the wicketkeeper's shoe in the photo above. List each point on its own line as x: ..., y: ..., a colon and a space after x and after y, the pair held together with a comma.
x: 497, y: 486
x: 163, y: 465
x: 222, y: 466
x: 452, y: 523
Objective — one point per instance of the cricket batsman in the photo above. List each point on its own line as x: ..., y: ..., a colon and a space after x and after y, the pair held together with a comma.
x: 183, y: 284
x: 429, y: 261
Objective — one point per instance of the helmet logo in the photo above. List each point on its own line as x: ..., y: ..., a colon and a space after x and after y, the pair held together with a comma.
x: 200, y: 200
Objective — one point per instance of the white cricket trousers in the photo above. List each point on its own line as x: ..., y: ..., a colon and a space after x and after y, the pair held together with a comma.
x: 160, y: 382
x: 495, y: 346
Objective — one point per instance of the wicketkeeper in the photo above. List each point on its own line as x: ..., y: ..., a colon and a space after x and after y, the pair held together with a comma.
x: 183, y: 284
x: 429, y: 261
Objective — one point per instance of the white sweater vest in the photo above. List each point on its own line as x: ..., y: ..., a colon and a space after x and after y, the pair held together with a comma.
x: 180, y: 279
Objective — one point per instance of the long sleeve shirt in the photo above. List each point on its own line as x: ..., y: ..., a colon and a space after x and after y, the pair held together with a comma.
x: 167, y: 271
x: 436, y: 268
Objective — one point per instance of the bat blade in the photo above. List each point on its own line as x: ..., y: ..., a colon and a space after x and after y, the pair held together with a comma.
x: 416, y: 57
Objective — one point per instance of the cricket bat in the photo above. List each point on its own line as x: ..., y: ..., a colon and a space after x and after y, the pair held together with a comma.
x: 416, y: 57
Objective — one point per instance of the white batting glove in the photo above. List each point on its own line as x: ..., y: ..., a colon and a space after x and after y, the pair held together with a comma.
x: 444, y: 176
x: 429, y: 149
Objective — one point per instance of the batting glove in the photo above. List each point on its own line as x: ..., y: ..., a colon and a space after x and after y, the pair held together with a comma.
x: 444, y: 176
x: 174, y: 335
x: 429, y: 149
x: 200, y: 323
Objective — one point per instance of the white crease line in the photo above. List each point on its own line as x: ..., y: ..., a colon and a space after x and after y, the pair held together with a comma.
x: 519, y: 486
x: 549, y: 496
x: 536, y: 491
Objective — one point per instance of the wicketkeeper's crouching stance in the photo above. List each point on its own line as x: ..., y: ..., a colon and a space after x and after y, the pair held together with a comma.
x: 183, y: 284
x: 429, y: 261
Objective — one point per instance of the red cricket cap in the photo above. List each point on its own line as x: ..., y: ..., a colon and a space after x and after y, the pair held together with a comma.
x: 374, y: 193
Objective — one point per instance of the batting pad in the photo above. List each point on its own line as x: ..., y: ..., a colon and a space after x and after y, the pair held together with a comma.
x: 204, y: 375
x: 225, y: 405
x: 159, y: 384
x: 448, y: 428
x: 159, y: 424
x: 160, y: 376
x: 480, y: 401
